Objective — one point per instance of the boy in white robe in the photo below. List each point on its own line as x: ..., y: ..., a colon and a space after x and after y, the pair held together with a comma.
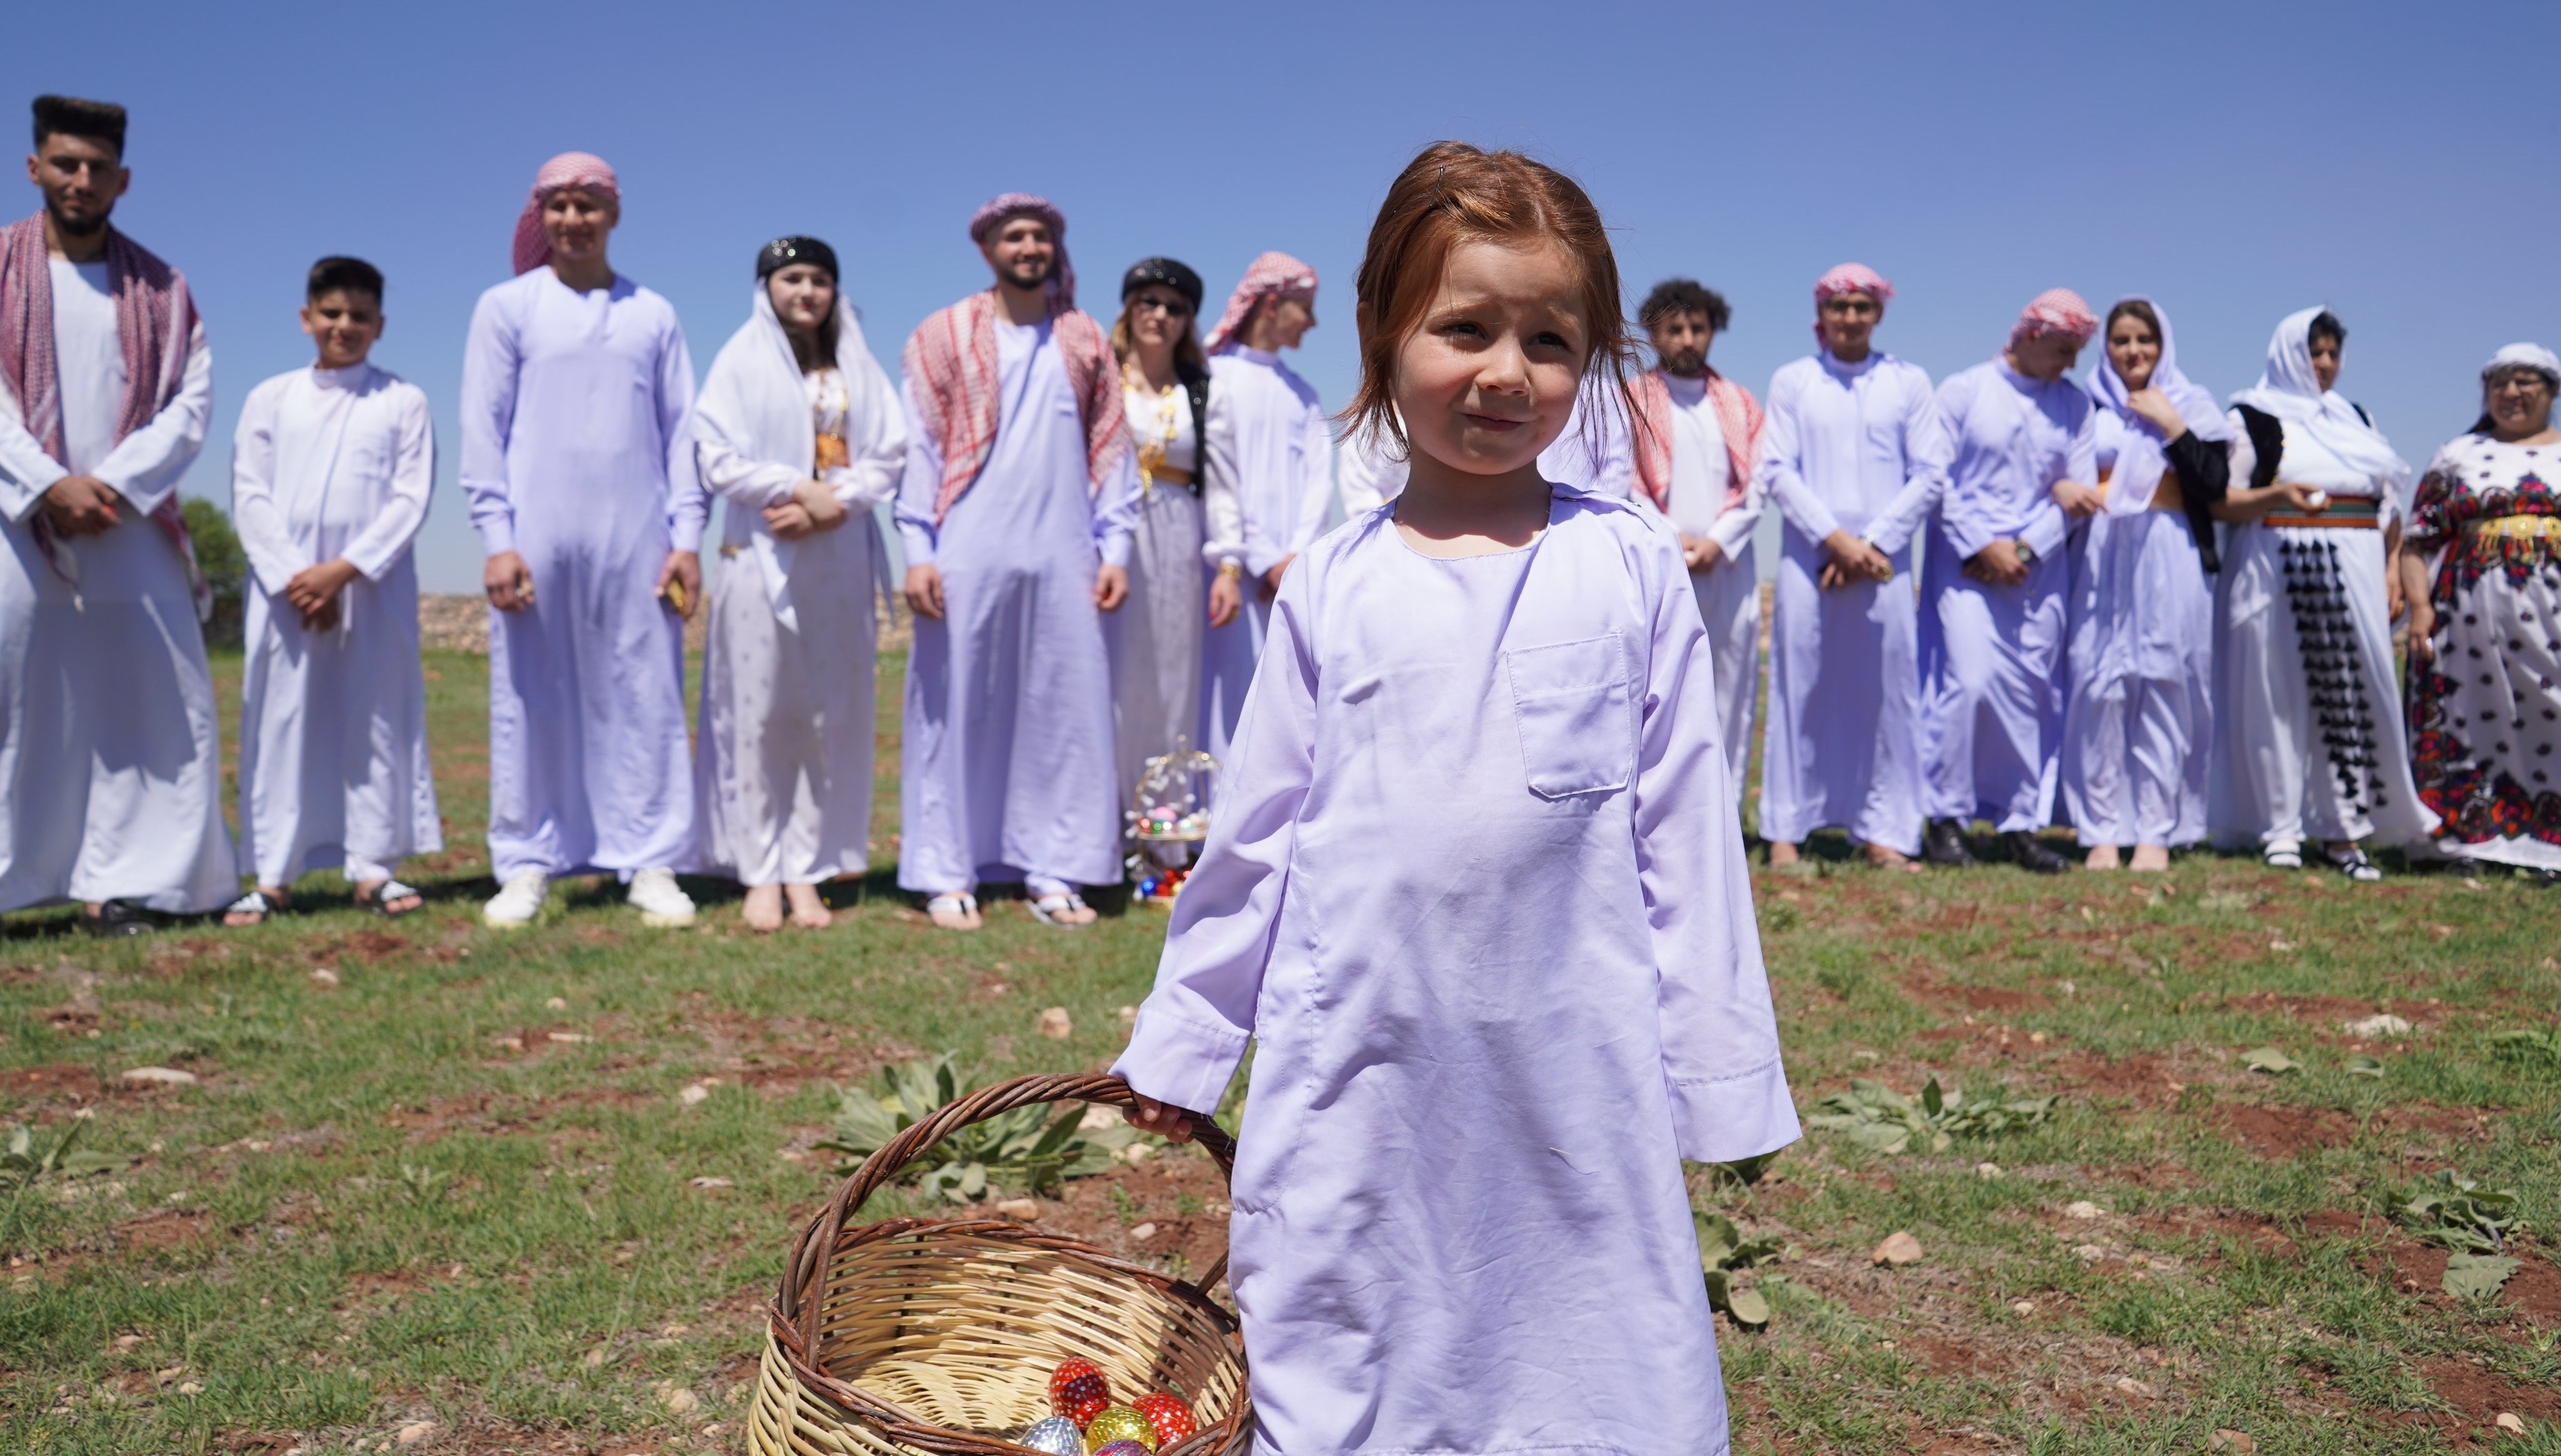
x: 110, y: 768
x: 331, y: 468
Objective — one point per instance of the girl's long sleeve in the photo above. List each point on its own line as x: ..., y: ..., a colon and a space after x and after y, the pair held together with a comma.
x: 1195, y: 1024
x: 1718, y: 1031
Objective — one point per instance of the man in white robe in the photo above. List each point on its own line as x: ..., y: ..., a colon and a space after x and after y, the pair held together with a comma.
x: 575, y: 387
x: 1994, y: 590
x: 1271, y: 443
x: 1855, y: 455
x: 111, y: 773
x: 331, y: 470
x: 1016, y: 511
x: 1693, y: 441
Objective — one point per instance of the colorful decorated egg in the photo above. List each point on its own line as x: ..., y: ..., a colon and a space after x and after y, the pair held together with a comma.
x: 1078, y: 1392
x: 1123, y: 1448
x: 1055, y: 1435
x: 1120, y: 1424
x: 1170, y: 1419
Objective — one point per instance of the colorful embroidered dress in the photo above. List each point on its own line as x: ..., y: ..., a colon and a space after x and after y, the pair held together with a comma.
x: 2485, y: 715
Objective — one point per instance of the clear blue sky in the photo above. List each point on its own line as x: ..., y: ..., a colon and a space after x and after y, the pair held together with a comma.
x: 2236, y: 161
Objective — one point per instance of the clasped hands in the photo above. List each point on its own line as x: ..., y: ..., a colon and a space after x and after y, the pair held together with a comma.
x: 82, y: 505
x: 1849, y: 560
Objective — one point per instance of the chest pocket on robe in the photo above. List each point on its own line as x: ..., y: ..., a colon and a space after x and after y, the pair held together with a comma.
x: 1578, y: 726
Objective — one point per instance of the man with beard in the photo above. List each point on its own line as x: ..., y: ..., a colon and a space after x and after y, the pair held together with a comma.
x: 110, y: 775
x: 1695, y: 437
x: 1016, y: 511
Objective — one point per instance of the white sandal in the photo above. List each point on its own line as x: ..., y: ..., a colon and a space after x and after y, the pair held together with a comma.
x: 1048, y: 908
x: 960, y: 905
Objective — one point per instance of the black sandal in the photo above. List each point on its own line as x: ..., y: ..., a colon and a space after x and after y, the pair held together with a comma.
x: 255, y: 903
x: 390, y: 889
x: 116, y: 920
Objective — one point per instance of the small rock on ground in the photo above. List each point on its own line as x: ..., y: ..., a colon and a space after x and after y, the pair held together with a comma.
x: 1898, y: 1249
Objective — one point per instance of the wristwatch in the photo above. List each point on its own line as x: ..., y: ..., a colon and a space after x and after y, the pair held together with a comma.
x: 2026, y: 553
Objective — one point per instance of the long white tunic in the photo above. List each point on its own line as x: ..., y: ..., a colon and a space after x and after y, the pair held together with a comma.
x: 2141, y: 669
x: 1858, y: 448
x: 1156, y: 635
x: 1991, y: 656
x: 783, y: 770
x: 574, y: 456
x: 110, y: 768
x: 1271, y: 443
x: 1008, y: 762
x: 333, y: 760
x: 2272, y: 779
x: 1729, y: 593
x: 1473, y: 891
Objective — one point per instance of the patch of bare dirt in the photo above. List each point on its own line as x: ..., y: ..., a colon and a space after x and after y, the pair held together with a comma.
x: 2479, y: 1395
x: 2143, y: 1080
x: 2342, y: 1223
x: 2254, y: 1232
x: 2534, y: 1291
x: 2442, y: 1123
x: 53, y: 1083
x: 163, y: 1229
x: 360, y: 947
x: 2288, y: 1131
x: 1999, y: 999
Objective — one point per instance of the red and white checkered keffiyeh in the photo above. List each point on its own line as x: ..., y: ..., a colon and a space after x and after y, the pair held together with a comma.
x: 1062, y: 273
x: 2055, y: 311
x: 1272, y: 275
x: 1738, y: 418
x: 1849, y: 278
x: 158, y: 325
x: 582, y: 170
x: 950, y: 365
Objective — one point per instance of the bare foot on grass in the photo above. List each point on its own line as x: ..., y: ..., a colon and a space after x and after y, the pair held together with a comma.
x: 763, y: 908
x: 2104, y: 857
x: 807, y: 910
x: 1887, y: 857
x: 2152, y: 859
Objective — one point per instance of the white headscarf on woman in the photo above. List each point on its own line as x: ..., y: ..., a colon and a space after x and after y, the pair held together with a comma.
x: 2288, y: 390
x: 754, y: 403
x: 2520, y: 356
x: 2140, y: 460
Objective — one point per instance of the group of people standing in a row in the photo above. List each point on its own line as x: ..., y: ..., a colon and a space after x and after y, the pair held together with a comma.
x: 2175, y: 619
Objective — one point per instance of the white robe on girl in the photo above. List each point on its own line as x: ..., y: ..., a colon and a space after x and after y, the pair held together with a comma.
x: 333, y: 759
x: 782, y: 774
x: 2281, y: 774
x: 1474, y: 890
x: 1859, y: 447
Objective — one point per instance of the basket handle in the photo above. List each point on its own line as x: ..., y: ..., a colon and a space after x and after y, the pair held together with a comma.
x: 804, y: 1296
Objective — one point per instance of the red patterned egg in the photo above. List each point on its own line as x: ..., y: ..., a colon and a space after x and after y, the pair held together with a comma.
x: 1120, y: 1424
x: 1169, y: 1417
x: 1078, y: 1392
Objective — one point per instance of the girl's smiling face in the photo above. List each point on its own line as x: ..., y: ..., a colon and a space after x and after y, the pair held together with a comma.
x: 1489, y: 377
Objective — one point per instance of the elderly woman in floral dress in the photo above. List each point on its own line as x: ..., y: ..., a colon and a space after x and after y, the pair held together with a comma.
x: 2484, y: 690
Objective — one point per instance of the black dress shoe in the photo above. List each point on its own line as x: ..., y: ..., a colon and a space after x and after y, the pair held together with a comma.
x: 1943, y: 843
x: 116, y: 918
x: 2033, y: 855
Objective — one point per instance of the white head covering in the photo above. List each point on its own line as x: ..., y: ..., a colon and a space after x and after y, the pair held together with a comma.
x: 753, y: 402
x: 2520, y: 356
x: 2141, y: 459
x: 2287, y: 390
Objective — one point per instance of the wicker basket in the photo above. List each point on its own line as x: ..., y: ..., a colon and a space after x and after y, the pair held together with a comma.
x: 937, y: 1338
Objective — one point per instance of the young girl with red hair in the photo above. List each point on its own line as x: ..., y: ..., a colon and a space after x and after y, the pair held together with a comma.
x: 1476, y: 889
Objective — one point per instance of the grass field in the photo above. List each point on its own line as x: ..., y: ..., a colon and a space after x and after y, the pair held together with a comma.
x: 465, y: 1181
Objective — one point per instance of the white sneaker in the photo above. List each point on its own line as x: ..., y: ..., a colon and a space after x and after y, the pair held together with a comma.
x: 660, y: 903
x: 516, y: 904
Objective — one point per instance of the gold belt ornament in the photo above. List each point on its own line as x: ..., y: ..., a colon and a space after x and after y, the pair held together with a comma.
x: 832, y: 454
x: 2516, y: 528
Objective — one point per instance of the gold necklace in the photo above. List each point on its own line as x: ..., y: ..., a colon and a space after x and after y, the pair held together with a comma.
x: 1151, y: 454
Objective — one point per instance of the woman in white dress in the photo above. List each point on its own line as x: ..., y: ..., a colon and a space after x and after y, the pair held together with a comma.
x: 799, y: 430
x: 2307, y: 747
x: 1186, y: 556
x: 2484, y: 710
x: 2141, y: 715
